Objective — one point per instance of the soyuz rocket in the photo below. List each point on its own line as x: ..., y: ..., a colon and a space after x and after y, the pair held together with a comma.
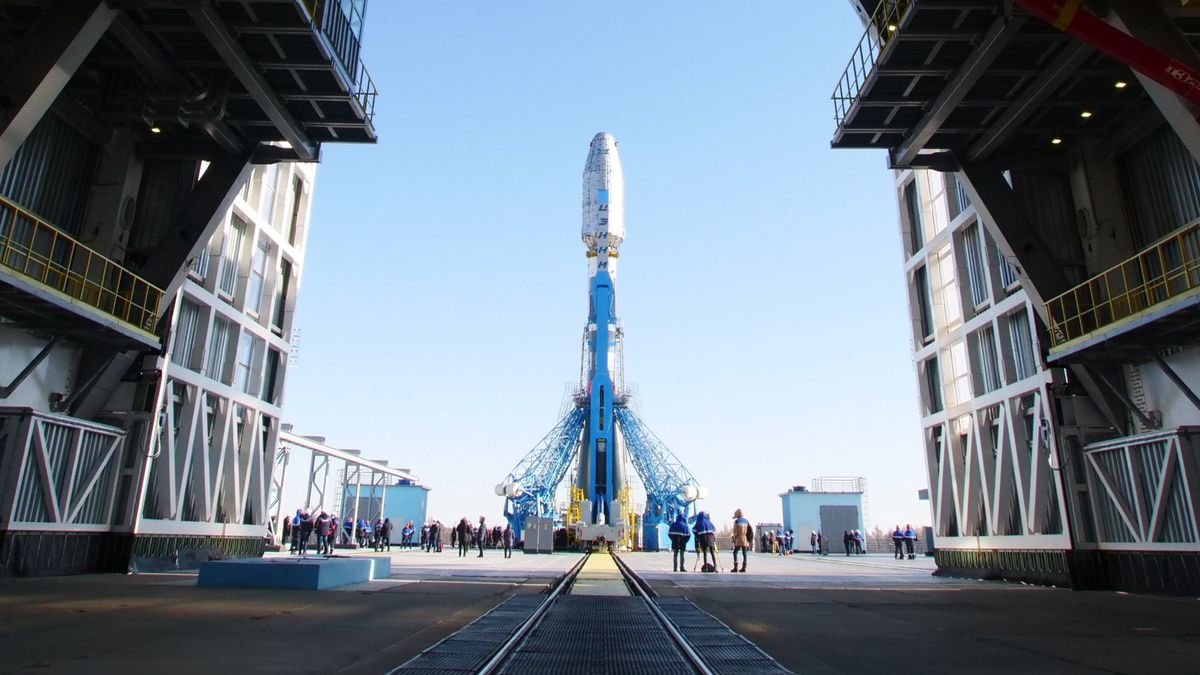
x: 601, y: 461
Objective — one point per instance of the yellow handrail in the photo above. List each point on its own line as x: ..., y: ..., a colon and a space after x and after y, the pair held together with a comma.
x: 37, y: 250
x: 1166, y: 269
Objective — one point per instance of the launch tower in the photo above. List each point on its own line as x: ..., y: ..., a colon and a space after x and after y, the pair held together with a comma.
x: 600, y: 434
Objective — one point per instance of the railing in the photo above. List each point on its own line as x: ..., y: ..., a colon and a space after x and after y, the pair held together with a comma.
x: 884, y: 24
x: 37, y: 250
x: 340, y: 21
x: 1166, y: 269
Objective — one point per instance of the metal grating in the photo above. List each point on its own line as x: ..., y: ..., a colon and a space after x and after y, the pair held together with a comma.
x: 723, y: 650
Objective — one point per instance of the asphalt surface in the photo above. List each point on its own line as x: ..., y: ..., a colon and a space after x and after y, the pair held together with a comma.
x: 869, y: 614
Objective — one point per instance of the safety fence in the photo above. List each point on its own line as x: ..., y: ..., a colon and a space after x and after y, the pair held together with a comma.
x: 885, y: 22
x: 1167, y: 269
x: 341, y: 22
x: 38, y: 251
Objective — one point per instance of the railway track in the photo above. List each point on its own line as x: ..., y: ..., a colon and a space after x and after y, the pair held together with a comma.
x: 599, y: 617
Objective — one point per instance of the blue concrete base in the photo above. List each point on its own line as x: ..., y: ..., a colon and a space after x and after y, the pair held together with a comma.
x: 290, y: 573
x: 382, y: 565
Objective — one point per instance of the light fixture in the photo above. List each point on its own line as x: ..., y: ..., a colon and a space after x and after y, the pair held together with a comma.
x: 1121, y: 84
x: 1056, y: 141
x: 1085, y: 114
x: 891, y: 28
x: 155, y: 130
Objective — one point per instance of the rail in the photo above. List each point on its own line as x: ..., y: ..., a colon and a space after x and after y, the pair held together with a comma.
x: 1167, y: 269
x: 644, y: 591
x: 885, y: 21
x: 38, y: 251
x: 510, y: 646
x: 341, y: 24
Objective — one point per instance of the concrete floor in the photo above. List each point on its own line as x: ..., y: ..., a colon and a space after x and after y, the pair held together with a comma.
x: 825, y: 615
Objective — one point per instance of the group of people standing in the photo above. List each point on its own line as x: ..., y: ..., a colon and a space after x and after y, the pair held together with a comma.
x: 904, y: 541
x: 465, y: 535
x: 705, y: 534
x: 327, y: 530
x: 854, y: 542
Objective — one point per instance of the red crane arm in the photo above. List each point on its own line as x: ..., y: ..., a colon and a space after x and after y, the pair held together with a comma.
x: 1070, y: 17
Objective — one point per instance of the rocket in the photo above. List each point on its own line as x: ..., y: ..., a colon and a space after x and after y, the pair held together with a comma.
x: 601, y: 465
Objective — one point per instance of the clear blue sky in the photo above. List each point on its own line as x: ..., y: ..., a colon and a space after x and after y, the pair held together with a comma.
x: 444, y: 291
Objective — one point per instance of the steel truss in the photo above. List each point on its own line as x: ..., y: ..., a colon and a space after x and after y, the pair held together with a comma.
x: 665, y: 478
x: 541, y: 470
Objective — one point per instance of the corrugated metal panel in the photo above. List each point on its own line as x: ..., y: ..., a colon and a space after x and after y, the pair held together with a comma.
x: 51, y: 174
x: 1161, y: 183
x: 1045, y: 199
x: 165, y: 186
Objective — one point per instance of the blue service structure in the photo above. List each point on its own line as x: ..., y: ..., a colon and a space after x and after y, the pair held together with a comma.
x: 830, y: 506
x: 599, y: 432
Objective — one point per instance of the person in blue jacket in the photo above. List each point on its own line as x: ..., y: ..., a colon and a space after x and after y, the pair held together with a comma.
x: 706, y: 538
x: 678, y: 532
x: 910, y: 540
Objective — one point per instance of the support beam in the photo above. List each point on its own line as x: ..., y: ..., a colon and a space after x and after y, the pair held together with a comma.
x: 994, y: 41
x: 1072, y: 56
x: 8, y: 389
x: 36, y: 72
x: 1129, y: 404
x: 202, y: 214
x: 1174, y: 377
x: 146, y: 53
x: 248, y: 74
x: 1149, y: 23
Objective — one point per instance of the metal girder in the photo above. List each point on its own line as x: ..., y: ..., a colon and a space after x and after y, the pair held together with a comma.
x: 243, y: 67
x: 290, y: 438
x: 662, y: 474
x: 145, y: 52
x: 1150, y: 24
x: 1174, y: 377
x: 1002, y: 31
x: 1073, y: 55
x: 36, y: 72
x: 8, y: 389
x: 203, y: 211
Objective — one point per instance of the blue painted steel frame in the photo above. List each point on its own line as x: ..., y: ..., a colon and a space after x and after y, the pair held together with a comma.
x: 542, y: 469
x: 661, y: 472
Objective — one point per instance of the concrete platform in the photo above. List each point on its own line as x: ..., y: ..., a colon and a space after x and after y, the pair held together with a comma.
x: 306, y: 573
x: 869, y: 614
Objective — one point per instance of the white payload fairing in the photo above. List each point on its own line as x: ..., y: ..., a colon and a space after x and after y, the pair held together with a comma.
x: 603, y: 205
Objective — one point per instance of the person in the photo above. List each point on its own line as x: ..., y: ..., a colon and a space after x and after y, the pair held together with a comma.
x: 435, y: 537
x: 678, y: 532
x: 706, y: 539
x: 898, y: 543
x: 331, y: 534
x: 847, y: 539
x: 743, y: 534
x: 385, y: 535
x: 823, y: 543
x: 779, y: 542
x: 910, y: 540
x: 320, y: 527
x: 858, y: 541
x: 482, y: 534
x: 812, y: 542
x: 425, y: 536
x: 765, y: 540
x: 406, y: 535
x: 507, y: 537
x: 296, y: 531
x: 462, y: 534
x: 788, y: 539
x: 306, y: 528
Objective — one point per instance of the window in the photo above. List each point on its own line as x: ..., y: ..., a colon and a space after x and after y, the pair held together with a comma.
x: 198, y: 266
x: 976, y: 271
x: 266, y: 204
x: 258, y: 269
x: 916, y: 228
x: 956, y: 198
x: 218, y: 349
x: 185, y: 333
x: 231, y: 253
x: 1024, y: 360
x: 281, y: 292
x: 1008, y: 275
x: 945, y: 288
x: 297, y: 202
x: 921, y: 282
x: 958, y: 387
x: 270, y: 381
x: 248, y: 349
x: 933, y: 386
x: 987, y: 375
